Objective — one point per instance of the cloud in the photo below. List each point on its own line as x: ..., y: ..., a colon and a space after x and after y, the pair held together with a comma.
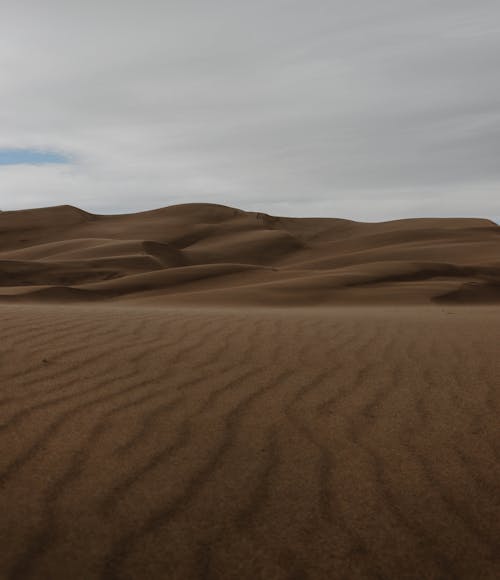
x: 364, y: 110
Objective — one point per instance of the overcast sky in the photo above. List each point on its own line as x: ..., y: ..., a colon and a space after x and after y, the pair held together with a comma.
x: 361, y: 109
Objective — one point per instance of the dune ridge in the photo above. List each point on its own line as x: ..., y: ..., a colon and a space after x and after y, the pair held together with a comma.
x: 211, y: 254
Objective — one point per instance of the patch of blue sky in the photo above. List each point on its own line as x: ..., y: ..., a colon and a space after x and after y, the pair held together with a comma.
x: 31, y: 157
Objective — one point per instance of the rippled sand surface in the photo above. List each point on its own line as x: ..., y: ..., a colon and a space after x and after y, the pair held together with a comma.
x: 184, y: 443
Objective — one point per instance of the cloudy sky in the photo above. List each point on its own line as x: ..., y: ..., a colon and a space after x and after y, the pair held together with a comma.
x: 368, y: 110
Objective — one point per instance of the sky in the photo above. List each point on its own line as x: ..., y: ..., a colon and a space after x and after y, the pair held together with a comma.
x: 368, y: 110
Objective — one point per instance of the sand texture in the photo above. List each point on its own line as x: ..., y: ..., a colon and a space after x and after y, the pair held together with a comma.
x: 210, y: 254
x: 203, y: 393
x: 198, y: 443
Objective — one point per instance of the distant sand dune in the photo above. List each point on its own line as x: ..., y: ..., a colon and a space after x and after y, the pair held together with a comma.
x: 224, y: 443
x: 287, y: 260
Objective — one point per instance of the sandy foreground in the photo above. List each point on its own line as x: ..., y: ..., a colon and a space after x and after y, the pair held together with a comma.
x: 145, y: 442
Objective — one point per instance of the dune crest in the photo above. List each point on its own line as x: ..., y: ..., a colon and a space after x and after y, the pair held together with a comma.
x: 213, y: 254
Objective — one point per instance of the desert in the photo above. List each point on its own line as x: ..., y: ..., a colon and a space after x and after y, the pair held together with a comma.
x: 202, y: 392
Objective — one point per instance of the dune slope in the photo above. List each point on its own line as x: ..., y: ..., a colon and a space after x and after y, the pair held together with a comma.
x: 211, y: 254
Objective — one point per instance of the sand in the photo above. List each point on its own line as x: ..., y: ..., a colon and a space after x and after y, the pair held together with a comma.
x: 215, y: 255
x: 242, y: 420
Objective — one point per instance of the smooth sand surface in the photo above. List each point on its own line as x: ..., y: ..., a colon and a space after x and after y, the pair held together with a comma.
x: 359, y: 442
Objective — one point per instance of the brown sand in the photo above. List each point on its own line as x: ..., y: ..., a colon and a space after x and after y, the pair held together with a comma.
x: 210, y: 254
x: 145, y: 439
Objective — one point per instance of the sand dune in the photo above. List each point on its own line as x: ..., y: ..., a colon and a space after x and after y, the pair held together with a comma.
x: 199, y: 392
x: 261, y: 444
x: 289, y: 260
